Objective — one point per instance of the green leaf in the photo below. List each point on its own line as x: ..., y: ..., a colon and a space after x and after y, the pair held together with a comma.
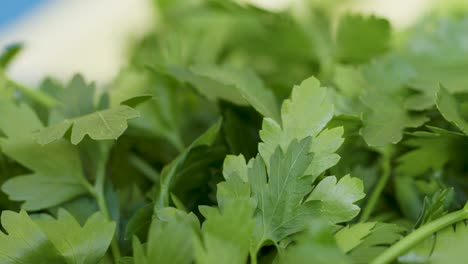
x: 360, y: 38
x: 350, y: 83
x: 408, y: 197
x: 273, y: 200
x: 378, y: 240
x: 100, y: 125
x: 226, y: 233
x: 169, y: 240
x: 389, y: 74
x: 349, y: 80
x: 77, y: 99
x: 9, y: 54
x: 248, y: 84
x: 349, y: 237
x: 31, y: 190
x: 279, y: 195
x: 196, y: 174
x: 324, y: 146
x: 237, y: 86
x: 420, y: 102
x: 171, y: 172
x: 49, y: 240
x: 430, y: 152
x: 235, y: 165
x: 227, y: 230
x: 76, y: 111
x: 449, y: 108
x: 386, y: 119
x: 207, y: 85
x: 84, y: 245
x: 436, y: 48
x: 241, y: 134
x: 61, y: 177
x: 137, y: 100
x: 25, y: 242
x: 18, y: 120
x: 161, y: 116
x: 310, y: 98
x: 338, y: 198
x: 139, y: 223
x: 126, y: 260
x: 435, y: 206
x: 233, y: 190
x: 364, y: 241
x: 315, y: 245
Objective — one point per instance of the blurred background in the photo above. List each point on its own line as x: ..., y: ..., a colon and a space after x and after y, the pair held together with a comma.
x: 93, y: 36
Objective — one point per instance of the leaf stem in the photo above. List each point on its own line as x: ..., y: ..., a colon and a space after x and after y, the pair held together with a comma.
x: 253, y: 258
x: 143, y: 166
x: 103, y: 207
x: 379, y: 187
x: 99, y: 194
x: 35, y: 95
x: 419, y: 235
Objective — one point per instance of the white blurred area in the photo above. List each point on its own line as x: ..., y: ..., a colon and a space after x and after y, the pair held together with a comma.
x: 68, y: 36
x: 91, y: 36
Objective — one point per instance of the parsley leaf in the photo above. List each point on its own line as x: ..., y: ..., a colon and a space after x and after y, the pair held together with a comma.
x: 25, y: 241
x: 309, y: 97
x: 448, y: 107
x: 315, y: 245
x: 386, y: 119
x: 360, y: 38
x: 171, y: 172
x: 279, y: 195
x: 101, y: 125
x: 86, y: 244
x: 169, y: 239
x: 48, y: 240
x: 61, y: 177
x: 337, y: 198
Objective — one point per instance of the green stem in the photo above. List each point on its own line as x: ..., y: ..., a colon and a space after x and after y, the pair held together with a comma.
x: 99, y: 194
x: 114, y: 243
x: 379, y: 187
x: 177, y: 141
x: 35, y: 95
x: 327, y: 69
x: 3, y: 165
x: 144, y: 167
x: 253, y: 258
x: 411, y: 240
x: 88, y: 186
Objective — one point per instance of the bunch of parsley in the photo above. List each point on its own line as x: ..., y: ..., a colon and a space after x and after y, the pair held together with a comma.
x: 241, y: 135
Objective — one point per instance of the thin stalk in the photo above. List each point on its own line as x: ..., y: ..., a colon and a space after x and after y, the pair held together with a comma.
x: 253, y: 258
x: 411, y: 240
x: 177, y: 141
x: 90, y: 188
x: 144, y: 167
x: 327, y: 69
x: 379, y: 187
x: 99, y: 194
x: 35, y: 95
x: 3, y: 165
x: 114, y: 243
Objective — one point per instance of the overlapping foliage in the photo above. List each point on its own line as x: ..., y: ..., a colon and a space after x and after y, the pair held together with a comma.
x: 241, y: 135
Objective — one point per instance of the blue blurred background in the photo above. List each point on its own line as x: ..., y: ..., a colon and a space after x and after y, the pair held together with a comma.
x: 13, y: 9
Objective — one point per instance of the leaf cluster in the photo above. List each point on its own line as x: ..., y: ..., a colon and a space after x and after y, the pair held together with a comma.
x: 237, y: 134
